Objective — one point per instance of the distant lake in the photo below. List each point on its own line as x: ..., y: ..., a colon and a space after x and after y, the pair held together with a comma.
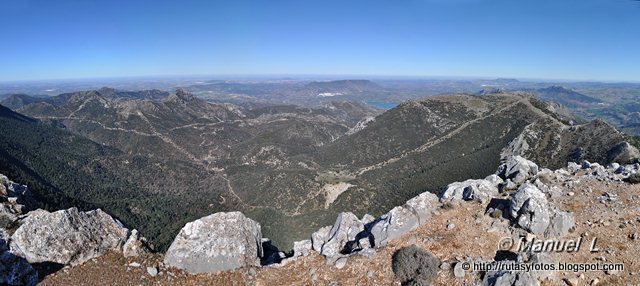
x: 382, y: 104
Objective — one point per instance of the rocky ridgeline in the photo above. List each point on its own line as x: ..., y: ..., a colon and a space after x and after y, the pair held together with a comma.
x: 226, y: 241
x: 521, y: 195
x: 64, y: 237
x: 517, y: 191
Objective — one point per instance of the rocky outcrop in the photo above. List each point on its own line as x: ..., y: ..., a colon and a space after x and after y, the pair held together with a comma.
x: 217, y: 242
x: 614, y: 171
x: 302, y: 248
x: 517, y: 169
x: 14, y: 270
x: 346, y: 229
x: 320, y: 237
x: 67, y: 236
x: 478, y: 190
x: 392, y: 225
x: 423, y: 206
x: 362, y: 124
x: 402, y: 219
x: 530, y: 208
x: 135, y: 245
x: 350, y: 235
x: 494, y: 180
x: 62, y: 237
x: 532, y: 211
x: 14, y: 201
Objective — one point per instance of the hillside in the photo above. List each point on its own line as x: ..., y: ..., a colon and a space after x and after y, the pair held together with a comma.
x: 567, y: 97
x: 15, y: 101
x: 423, y: 146
x: 179, y: 137
x: 292, y: 169
x: 66, y: 170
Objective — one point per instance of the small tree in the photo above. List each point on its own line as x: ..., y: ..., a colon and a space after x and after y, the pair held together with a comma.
x: 634, y: 178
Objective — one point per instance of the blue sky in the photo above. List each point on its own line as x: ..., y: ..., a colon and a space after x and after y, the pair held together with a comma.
x: 585, y: 39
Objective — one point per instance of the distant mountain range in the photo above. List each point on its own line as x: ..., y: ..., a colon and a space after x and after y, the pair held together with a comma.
x: 343, y: 87
x: 16, y: 101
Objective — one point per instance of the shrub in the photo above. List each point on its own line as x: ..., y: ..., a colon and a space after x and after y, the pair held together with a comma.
x: 414, y: 266
x: 634, y: 178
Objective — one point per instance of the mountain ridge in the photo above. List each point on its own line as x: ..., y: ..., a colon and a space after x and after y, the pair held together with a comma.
x: 294, y: 157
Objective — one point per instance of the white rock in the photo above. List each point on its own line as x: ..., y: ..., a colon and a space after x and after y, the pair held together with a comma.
x: 67, y: 236
x: 478, y: 190
x: 134, y: 245
x: 518, y: 169
x: 573, y: 167
x: 302, y: 248
x: 319, y: 237
x: 394, y: 224
x: 152, y: 271
x: 458, y: 271
x: 530, y: 208
x: 345, y: 229
x: 494, y: 179
x: 367, y: 218
x: 221, y: 241
x: 341, y: 262
x: 423, y: 205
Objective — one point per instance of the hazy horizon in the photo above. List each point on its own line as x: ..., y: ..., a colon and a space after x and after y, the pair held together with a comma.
x: 568, y: 41
x: 307, y: 77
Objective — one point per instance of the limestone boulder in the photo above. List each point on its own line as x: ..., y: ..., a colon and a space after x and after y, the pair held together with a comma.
x: 530, y: 208
x: 346, y: 229
x: 218, y: 242
x: 517, y: 169
x: 67, y: 236
x: 477, y: 190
